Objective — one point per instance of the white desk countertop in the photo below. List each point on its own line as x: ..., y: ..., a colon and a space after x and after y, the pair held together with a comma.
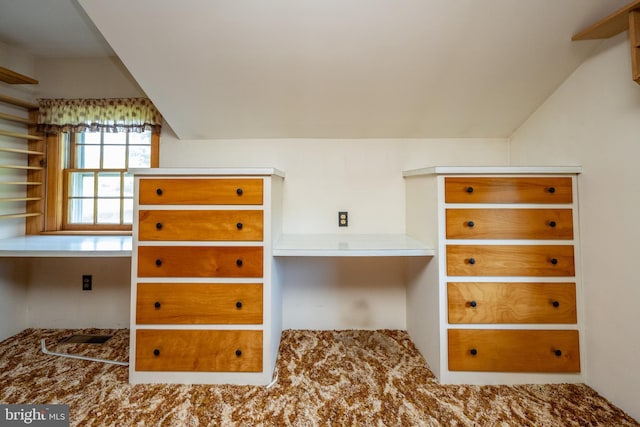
x: 66, y: 246
x: 344, y: 245
x: 307, y: 245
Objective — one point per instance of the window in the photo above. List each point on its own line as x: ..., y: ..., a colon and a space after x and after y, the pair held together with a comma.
x: 98, y: 190
x: 88, y: 186
x: 90, y: 144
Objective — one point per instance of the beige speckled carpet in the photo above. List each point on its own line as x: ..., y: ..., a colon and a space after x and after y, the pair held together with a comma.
x: 336, y: 378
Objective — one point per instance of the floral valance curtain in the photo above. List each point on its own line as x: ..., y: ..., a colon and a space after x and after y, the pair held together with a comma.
x: 109, y: 115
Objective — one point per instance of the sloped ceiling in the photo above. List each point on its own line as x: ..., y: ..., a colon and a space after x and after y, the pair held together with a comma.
x: 347, y: 68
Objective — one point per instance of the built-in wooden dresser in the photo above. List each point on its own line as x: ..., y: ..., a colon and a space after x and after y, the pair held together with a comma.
x: 506, y: 272
x: 206, y: 304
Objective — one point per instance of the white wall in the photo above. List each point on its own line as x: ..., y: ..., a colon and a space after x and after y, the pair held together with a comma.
x: 593, y: 120
x: 323, y: 176
x: 85, y: 78
x: 55, y: 298
x: 13, y: 296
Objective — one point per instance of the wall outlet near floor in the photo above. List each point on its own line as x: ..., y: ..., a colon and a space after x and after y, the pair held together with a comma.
x: 87, y: 282
x: 343, y: 219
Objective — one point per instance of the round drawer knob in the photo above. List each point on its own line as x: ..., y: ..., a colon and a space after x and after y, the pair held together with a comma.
x: 470, y: 224
x: 157, y: 304
x: 239, y: 226
x: 472, y: 261
x: 159, y: 191
x: 239, y: 191
x: 238, y: 353
x: 239, y: 305
x: 239, y: 262
x: 473, y: 351
x: 552, y: 190
x: 554, y: 261
x: 557, y: 352
x: 156, y: 352
x: 158, y: 262
x: 556, y: 304
x: 159, y: 225
x: 473, y: 304
x: 552, y: 224
x: 469, y: 190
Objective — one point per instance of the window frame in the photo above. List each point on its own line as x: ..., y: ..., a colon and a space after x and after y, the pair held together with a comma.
x: 56, y: 193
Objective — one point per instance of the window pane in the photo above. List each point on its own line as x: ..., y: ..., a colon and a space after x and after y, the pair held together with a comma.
x: 108, y: 184
x: 88, y: 156
x: 66, y: 143
x: 81, y: 211
x: 140, y: 138
x: 81, y: 184
x: 128, y: 185
x: 114, y: 157
x: 88, y: 138
x: 108, y: 211
x: 128, y: 211
x: 96, y: 196
x: 115, y: 138
x: 139, y: 156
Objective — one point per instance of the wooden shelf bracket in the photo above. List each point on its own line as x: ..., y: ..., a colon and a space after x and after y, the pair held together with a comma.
x: 625, y: 18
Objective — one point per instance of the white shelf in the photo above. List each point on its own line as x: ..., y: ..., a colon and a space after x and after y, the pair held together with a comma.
x: 66, y: 246
x: 491, y: 170
x: 207, y: 171
x: 350, y: 245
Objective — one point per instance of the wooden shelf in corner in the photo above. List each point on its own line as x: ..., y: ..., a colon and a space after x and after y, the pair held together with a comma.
x: 609, y: 26
x: 14, y: 78
x: 623, y: 19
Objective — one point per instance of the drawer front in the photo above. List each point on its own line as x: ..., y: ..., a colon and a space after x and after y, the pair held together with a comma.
x: 514, y: 350
x: 199, y: 303
x: 202, y: 350
x: 491, y: 302
x: 508, y: 190
x: 544, y: 224
x: 510, y: 260
x: 200, y: 261
x: 200, y: 225
x: 221, y: 191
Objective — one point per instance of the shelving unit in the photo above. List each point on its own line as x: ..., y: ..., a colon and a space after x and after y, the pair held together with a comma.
x: 30, y: 204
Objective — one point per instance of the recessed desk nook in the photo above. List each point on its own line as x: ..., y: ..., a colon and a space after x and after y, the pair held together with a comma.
x: 217, y: 234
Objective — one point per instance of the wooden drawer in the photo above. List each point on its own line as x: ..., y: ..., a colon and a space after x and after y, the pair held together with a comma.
x: 201, y: 350
x: 510, y: 260
x: 514, y: 350
x: 508, y: 190
x: 192, y: 191
x: 478, y: 302
x: 550, y: 224
x: 199, y: 303
x: 200, y: 225
x: 200, y: 261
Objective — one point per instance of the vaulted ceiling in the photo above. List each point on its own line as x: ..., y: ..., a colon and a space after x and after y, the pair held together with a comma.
x: 346, y: 68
